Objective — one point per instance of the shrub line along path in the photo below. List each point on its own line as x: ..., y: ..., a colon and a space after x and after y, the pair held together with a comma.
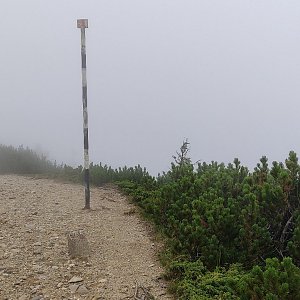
x: 35, y: 217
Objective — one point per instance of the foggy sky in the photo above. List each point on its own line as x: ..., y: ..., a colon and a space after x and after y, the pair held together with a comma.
x: 224, y: 74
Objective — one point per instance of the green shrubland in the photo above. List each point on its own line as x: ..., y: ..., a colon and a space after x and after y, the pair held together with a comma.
x: 231, y: 233
x: 237, y: 232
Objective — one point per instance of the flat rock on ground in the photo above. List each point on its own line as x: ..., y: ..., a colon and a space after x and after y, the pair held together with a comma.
x: 35, y: 217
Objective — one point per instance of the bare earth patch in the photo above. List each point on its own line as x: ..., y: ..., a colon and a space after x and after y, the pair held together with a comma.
x: 35, y: 217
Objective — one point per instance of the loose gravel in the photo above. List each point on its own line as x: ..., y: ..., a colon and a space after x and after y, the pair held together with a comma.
x: 35, y: 217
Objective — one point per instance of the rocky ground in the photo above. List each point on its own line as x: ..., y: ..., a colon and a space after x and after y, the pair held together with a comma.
x: 35, y: 218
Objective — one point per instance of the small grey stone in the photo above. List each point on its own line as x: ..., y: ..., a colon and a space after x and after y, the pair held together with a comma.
x: 37, y: 298
x: 42, y: 277
x: 75, y: 279
x: 14, y: 251
x: 82, y: 290
x: 74, y: 288
x: 104, y: 280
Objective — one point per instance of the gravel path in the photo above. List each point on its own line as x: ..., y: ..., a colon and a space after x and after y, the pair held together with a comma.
x: 35, y: 217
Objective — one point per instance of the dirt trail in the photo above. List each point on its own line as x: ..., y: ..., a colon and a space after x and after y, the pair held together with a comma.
x: 36, y: 214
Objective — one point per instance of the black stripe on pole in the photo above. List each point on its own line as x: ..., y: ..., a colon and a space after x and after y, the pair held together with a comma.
x: 83, y: 59
x: 86, y: 141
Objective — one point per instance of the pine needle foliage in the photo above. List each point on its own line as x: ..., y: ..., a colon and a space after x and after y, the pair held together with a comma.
x: 219, y: 217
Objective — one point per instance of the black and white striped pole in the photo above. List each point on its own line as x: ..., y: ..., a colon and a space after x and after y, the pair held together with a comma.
x: 82, y: 24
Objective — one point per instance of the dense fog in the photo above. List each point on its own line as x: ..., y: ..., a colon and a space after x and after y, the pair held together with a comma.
x: 224, y: 74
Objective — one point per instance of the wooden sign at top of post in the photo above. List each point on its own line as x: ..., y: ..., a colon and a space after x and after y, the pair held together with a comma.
x: 82, y: 23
